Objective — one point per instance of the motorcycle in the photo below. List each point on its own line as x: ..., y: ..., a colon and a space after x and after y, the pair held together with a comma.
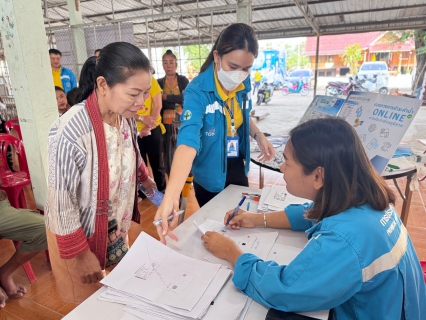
x: 338, y: 88
x: 374, y: 83
x: 264, y: 93
x: 301, y: 87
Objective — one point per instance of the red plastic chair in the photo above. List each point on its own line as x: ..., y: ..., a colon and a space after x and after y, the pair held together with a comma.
x: 423, y: 265
x: 13, y: 183
x: 13, y: 124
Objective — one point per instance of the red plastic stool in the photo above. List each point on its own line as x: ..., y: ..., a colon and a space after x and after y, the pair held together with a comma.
x: 423, y: 265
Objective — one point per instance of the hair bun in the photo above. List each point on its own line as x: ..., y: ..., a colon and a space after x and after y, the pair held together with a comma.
x: 169, y: 51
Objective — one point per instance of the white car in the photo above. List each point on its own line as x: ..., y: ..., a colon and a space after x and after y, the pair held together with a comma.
x: 379, y: 68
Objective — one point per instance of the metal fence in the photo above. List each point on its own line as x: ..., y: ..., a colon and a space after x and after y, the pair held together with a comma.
x: 188, y: 28
x: 153, y: 26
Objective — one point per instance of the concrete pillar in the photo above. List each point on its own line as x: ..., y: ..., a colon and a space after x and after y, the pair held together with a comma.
x: 244, y: 11
x: 25, y: 44
x: 77, y: 34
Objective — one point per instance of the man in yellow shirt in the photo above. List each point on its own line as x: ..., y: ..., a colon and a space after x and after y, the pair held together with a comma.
x: 150, y: 128
x: 257, y: 79
x: 62, y: 77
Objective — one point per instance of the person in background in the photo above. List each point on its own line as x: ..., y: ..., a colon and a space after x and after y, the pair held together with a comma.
x: 62, y: 77
x: 173, y: 85
x: 257, y: 79
x: 97, y: 53
x: 19, y: 225
x: 94, y: 171
x: 72, y: 97
x: 150, y: 138
x: 61, y: 100
x: 216, y: 112
x: 359, y: 261
x: 2, y: 105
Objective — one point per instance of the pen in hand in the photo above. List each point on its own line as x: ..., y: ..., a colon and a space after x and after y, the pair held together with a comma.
x: 170, y: 217
x: 235, y: 210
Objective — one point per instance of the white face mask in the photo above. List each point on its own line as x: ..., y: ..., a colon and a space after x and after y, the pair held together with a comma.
x: 231, y: 79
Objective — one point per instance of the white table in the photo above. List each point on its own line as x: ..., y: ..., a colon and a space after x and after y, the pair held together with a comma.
x: 190, y: 244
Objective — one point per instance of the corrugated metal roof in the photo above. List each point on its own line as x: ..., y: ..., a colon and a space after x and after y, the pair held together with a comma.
x: 335, y: 44
x: 185, y: 21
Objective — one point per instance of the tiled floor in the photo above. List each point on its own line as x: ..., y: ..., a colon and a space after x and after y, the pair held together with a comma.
x: 42, y: 300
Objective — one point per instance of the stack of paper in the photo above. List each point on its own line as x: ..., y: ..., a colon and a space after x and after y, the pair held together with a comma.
x: 155, y: 282
x: 277, y: 198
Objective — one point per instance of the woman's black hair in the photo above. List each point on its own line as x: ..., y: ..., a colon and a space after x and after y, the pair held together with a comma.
x: 72, y: 97
x: 237, y: 36
x: 349, y: 177
x: 116, y: 63
x: 169, y: 53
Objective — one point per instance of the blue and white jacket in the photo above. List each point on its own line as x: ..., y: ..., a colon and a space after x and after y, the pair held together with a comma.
x: 68, y: 79
x: 204, y: 128
x: 361, y: 263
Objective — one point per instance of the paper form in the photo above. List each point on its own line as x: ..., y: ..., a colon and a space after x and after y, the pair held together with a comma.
x: 200, y: 308
x: 258, y: 243
x: 155, y: 272
x: 278, y: 198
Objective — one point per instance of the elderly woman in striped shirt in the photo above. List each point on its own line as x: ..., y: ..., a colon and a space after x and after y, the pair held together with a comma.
x: 94, y: 169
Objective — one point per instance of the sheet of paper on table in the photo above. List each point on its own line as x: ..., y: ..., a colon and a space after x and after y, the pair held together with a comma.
x: 277, y: 198
x: 248, y: 240
x: 229, y: 304
x: 161, y: 275
x: 140, y: 306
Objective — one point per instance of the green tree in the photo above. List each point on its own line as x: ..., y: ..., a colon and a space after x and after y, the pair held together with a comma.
x: 296, y: 56
x: 419, y: 37
x: 352, y: 56
x: 197, y: 54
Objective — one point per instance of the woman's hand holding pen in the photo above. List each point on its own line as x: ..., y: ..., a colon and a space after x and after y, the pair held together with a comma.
x: 242, y: 219
x: 167, y: 207
x: 267, y: 150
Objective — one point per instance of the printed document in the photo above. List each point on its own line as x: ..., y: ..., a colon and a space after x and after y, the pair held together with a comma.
x: 155, y: 272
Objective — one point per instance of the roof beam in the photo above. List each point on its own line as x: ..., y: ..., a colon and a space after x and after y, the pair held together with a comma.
x: 307, y: 13
x: 414, y: 6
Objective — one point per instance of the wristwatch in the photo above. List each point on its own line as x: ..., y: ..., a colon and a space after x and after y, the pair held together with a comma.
x: 255, y: 135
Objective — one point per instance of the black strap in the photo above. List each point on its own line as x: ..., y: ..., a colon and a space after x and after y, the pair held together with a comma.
x: 274, y: 314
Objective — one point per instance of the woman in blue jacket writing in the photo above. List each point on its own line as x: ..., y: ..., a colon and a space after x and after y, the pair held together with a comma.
x: 216, y: 112
x: 359, y: 260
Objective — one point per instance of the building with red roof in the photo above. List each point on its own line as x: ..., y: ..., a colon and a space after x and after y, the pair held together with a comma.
x: 375, y: 46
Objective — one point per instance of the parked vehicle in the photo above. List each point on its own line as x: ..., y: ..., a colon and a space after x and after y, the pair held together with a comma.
x: 338, y: 88
x: 295, y: 87
x: 306, y: 74
x: 277, y: 85
x: 374, y: 83
x: 369, y: 69
x: 264, y: 93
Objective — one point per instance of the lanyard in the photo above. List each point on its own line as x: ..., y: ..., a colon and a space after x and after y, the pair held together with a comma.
x: 231, y: 114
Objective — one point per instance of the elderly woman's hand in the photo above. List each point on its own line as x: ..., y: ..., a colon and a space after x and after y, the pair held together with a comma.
x: 221, y: 246
x: 149, y: 184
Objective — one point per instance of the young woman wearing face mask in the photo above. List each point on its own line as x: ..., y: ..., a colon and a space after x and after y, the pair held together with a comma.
x: 216, y: 112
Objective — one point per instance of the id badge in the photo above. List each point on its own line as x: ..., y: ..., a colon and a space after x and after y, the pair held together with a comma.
x: 232, y: 147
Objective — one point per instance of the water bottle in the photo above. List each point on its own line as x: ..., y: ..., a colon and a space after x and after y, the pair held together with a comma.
x: 156, y: 198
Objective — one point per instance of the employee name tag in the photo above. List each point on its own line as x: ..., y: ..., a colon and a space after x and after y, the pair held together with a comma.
x: 232, y: 147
